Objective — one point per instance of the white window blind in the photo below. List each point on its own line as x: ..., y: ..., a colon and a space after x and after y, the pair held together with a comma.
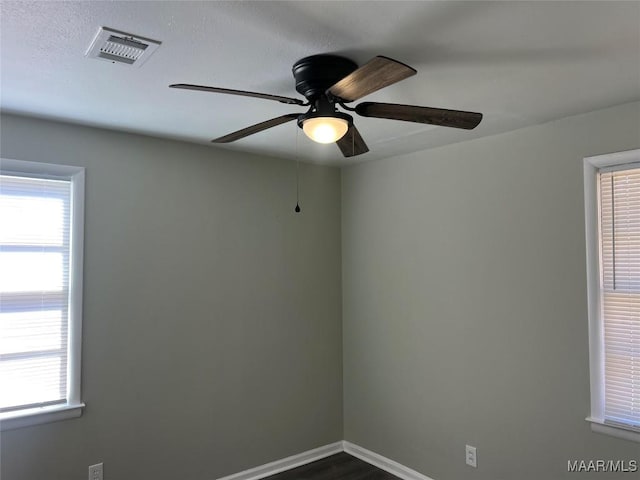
x: 35, y: 262
x: 619, y: 195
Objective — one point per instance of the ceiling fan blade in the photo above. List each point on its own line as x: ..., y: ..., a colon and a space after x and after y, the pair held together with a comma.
x: 413, y: 113
x: 352, y: 144
x: 378, y: 73
x: 266, y: 96
x: 258, y: 127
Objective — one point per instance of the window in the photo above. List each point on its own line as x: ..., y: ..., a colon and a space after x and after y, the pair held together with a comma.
x: 612, y: 201
x: 41, y: 233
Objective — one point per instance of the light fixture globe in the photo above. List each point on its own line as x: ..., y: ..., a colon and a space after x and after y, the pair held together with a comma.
x: 325, y: 128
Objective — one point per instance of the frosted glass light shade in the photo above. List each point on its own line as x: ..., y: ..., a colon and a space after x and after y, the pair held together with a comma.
x: 325, y: 129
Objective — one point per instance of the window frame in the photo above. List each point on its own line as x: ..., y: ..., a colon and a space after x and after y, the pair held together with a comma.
x: 73, y: 407
x: 592, y: 166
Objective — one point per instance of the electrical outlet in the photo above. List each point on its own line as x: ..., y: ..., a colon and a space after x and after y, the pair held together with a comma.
x: 95, y: 472
x: 471, y: 457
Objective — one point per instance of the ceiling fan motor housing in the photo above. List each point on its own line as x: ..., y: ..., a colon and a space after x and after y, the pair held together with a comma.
x: 316, y: 74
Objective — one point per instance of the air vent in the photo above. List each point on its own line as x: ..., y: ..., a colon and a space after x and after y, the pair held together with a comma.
x: 119, y: 47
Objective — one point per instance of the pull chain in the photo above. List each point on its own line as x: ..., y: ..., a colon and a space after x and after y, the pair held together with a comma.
x: 297, y: 209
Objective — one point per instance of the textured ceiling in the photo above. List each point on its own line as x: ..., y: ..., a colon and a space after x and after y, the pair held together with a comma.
x: 519, y: 63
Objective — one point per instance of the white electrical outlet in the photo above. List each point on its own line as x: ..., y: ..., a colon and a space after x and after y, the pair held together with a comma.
x: 95, y: 472
x: 471, y: 456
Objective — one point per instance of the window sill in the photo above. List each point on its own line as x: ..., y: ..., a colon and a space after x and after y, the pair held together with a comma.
x: 37, y: 416
x: 614, y: 431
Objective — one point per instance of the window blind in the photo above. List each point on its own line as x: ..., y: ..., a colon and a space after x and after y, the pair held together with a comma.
x: 35, y: 223
x: 620, y: 294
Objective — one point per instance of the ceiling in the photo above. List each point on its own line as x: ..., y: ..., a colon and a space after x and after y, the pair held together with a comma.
x: 519, y: 63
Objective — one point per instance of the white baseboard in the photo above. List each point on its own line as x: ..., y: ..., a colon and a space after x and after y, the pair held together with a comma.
x: 372, y: 458
x: 383, y: 463
x: 288, y: 463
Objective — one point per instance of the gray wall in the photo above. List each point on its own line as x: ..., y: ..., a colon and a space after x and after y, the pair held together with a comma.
x: 212, y: 323
x: 212, y: 319
x: 464, y: 302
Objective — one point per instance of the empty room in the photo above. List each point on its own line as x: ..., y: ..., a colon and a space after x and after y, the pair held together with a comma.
x: 319, y: 240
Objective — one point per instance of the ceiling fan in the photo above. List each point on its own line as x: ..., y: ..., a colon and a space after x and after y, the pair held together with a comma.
x: 330, y: 80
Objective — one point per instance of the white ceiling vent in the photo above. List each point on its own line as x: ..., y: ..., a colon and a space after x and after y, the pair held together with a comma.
x: 119, y: 47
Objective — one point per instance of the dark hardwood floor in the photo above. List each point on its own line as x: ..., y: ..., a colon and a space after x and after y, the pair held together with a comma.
x: 340, y: 466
